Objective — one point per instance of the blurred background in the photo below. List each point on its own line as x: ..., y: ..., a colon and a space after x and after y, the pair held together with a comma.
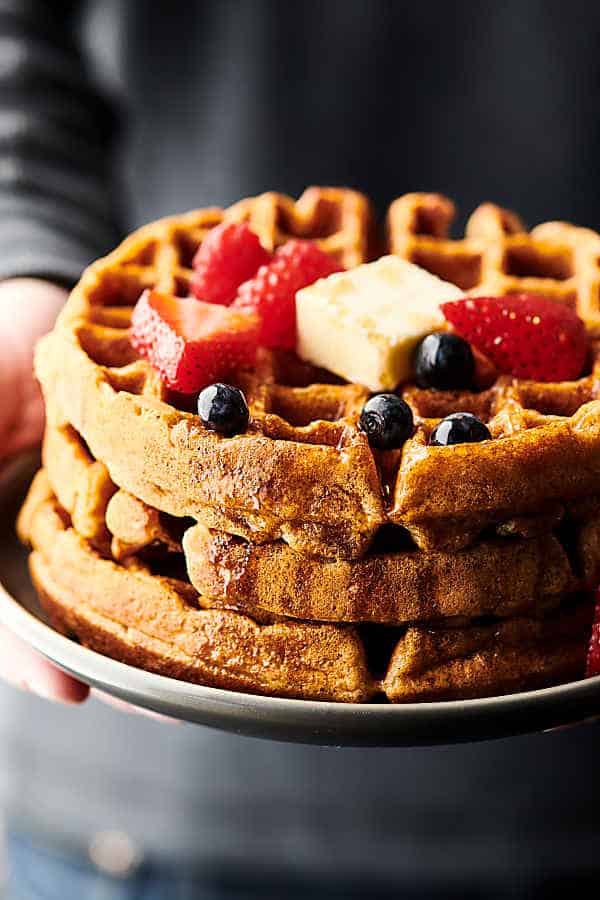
x: 114, y: 113
x: 479, y: 100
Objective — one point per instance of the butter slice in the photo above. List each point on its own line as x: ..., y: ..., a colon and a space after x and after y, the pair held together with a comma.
x: 364, y: 324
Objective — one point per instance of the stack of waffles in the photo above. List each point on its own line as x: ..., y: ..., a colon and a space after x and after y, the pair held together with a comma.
x: 295, y: 560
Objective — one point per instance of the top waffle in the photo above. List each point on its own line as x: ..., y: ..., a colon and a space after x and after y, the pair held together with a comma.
x: 303, y: 471
x: 497, y: 255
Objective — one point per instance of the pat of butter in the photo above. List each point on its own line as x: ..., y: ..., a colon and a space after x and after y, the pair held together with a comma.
x: 364, y: 324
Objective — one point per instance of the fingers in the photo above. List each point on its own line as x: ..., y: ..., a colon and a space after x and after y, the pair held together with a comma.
x: 24, y: 668
x: 27, y: 433
x: 28, y: 309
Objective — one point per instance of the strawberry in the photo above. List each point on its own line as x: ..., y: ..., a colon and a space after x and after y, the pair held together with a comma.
x: 272, y: 291
x: 229, y: 255
x: 593, y: 654
x: 190, y: 343
x: 523, y: 334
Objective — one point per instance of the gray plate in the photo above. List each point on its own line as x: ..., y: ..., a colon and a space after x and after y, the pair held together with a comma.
x: 302, y: 721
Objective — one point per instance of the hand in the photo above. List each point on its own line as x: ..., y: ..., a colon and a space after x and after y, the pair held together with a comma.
x: 28, y: 308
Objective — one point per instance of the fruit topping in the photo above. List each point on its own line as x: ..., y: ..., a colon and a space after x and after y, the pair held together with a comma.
x: 523, y: 334
x: 223, y: 408
x: 593, y: 654
x: 459, y: 428
x: 387, y: 421
x: 365, y: 323
x: 271, y: 293
x: 444, y: 362
x: 229, y: 255
x: 191, y: 343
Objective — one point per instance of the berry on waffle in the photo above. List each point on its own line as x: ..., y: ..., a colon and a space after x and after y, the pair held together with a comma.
x: 523, y: 334
x: 231, y: 254
x: 189, y: 343
x: 271, y: 293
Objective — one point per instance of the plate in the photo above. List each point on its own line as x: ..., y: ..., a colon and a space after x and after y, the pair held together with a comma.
x: 301, y: 721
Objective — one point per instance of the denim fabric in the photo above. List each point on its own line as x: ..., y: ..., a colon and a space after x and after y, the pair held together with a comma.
x: 39, y: 872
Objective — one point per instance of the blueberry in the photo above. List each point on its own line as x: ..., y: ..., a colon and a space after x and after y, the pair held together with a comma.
x: 387, y: 421
x: 223, y: 408
x: 444, y: 362
x: 459, y: 428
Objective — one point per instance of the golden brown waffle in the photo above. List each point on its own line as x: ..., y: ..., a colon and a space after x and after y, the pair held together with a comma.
x: 156, y: 622
x: 113, y: 521
x: 500, y: 576
x: 339, y: 220
x: 81, y: 484
x: 497, y: 577
x: 546, y: 450
x: 514, y: 655
x: 497, y: 255
x: 303, y: 472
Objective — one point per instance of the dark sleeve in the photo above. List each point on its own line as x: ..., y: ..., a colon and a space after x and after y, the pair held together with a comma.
x: 57, y: 203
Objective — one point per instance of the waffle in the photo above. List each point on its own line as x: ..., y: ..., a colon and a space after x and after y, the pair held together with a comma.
x: 81, y: 484
x: 156, y: 623
x: 498, y: 256
x: 303, y: 472
x: 293, y: 560
x: 494, y: 578
x: 136, y: 615
x: 500, y: 576
x: 519, y: 654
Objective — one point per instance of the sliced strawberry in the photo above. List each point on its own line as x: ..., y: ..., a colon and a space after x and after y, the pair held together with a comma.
x: 229, y: 255
x: 272, y: 291
x: 593, y: 656
x: 191, y: 343
x: 523, y: 334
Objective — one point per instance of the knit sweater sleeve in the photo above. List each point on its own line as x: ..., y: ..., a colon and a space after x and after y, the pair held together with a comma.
x: 57, y: 202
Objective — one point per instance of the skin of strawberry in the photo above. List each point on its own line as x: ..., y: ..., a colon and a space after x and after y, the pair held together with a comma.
x: 593, y: 656
x: 523, y: 335
x: 272, y: 291
x: 189, y: 343
x: 230, y: 254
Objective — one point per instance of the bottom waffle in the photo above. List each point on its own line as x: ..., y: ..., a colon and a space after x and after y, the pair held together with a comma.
x: 156, y: 623
x: 130, y: 613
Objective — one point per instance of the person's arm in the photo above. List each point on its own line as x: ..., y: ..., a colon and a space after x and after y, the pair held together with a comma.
x: 57, y: 213
x: 58, y: 209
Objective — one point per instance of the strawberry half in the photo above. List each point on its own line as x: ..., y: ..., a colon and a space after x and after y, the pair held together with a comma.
x: 190, y: 343
x: 229, y: 255
x: 523, y: 334
x: 271, y: 294
x: 593, y: 655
